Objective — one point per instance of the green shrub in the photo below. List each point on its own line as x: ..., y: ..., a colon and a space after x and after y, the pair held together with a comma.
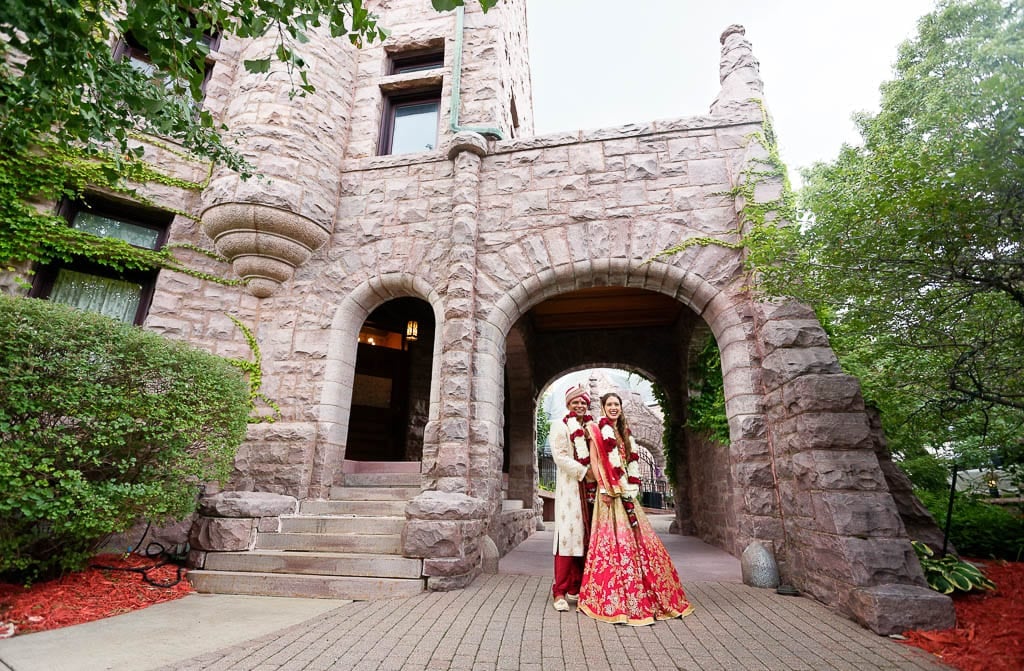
x: 979, y: 529
x: 949, y: 574
x: 101, y: 424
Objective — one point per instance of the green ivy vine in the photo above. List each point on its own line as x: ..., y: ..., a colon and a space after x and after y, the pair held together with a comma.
x: 706, y: 408
x: 669, y: 434
x: 254, y: 369
x: 31, y: 232
x: 764, y: 239
x: 768, y: 238
x: 770, y: 224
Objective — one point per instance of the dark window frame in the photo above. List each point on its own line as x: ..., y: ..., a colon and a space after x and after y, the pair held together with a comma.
x: 419, y: 61
x: 160, y: 221
x: 393, y: 103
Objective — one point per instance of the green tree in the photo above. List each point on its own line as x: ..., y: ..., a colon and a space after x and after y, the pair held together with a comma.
x: 543, y: 427
x: 74, y: 116
x: 913, y: 241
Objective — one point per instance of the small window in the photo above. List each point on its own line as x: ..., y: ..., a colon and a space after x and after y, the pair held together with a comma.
x: 138, y: 57
x: 411, y: 123
x: 403, y: 63
x: 96, y: 288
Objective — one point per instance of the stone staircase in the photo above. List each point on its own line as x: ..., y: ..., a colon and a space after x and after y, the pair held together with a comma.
x: 347, y: 547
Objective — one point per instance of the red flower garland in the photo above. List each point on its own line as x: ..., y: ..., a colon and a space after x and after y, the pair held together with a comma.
x: 578, y: 433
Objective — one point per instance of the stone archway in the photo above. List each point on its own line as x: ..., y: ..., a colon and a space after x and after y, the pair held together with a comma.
x: 391, y: 389
x: 339, y: 375
x: 801, y: 471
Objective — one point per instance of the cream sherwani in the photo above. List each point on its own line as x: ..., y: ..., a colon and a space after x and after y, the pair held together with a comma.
x: 568, y: 509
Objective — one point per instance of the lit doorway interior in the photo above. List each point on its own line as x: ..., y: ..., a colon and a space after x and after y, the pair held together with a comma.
x: 391, y: 388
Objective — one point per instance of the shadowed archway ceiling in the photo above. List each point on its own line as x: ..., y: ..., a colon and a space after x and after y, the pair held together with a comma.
x: 605, y: 307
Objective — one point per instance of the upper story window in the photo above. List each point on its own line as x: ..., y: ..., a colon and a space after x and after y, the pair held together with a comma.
x: 96, y: 288
x: 412, y: 111
x: 411, y: 123
x: 402, y: 63
x: 138, y: 56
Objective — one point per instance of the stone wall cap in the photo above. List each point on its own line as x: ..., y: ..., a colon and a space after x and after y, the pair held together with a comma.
x: 467, y: 141
x: 247, y: 504
x: 434, y: 505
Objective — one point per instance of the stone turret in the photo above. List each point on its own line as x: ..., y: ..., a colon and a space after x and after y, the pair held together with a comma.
x: 738, y: 72
x: 270, y: 225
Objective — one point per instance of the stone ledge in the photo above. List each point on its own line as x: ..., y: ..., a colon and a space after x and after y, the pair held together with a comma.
x: 247, y: 504
x: 894, y: 609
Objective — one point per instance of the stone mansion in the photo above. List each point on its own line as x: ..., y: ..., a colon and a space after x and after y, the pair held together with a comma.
x: 420, y: 267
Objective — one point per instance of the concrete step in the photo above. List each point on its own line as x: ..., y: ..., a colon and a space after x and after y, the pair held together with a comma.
x: 511, y: 504
x: 361, y: 543
x: 359, y: 508
x: 374, y: 493
x: 370, y: 479
x: 310, y: 586
x: 315, y: 563
x: 321, y: 524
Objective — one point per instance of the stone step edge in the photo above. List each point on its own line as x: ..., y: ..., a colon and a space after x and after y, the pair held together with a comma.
x: 306, y: 577
x: 326, y: 554
x: 343, y: 516
x: 361, y: 584
x: 326, y: 563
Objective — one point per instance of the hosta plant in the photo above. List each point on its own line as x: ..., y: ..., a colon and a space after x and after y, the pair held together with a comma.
x: 949, y: 574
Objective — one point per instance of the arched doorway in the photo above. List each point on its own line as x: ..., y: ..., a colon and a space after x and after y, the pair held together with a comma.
x: 646, y: 420
x: 391, y: 386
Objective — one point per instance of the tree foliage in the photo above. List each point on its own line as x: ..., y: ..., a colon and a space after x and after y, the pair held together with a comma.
x: 913, y: 242
x: 543, y: 427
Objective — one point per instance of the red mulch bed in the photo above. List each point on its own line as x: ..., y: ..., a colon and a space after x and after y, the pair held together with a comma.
x: 88, y: 595
x: 989, y: 632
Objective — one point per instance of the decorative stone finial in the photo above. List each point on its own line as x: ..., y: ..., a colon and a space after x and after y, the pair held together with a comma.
x: 734, y: 29
x: 467, y: 141
x: 738, y: 71
x: 264, y: 244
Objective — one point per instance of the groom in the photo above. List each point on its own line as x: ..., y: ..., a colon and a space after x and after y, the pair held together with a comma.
x: 574, y: 492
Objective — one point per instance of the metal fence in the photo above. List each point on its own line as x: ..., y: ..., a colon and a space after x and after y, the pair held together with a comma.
x: 654, y: 488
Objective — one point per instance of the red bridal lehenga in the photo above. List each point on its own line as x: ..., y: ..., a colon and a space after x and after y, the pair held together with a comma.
x: 629, y: 577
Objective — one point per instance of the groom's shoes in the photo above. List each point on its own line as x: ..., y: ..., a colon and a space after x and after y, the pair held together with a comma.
x: 572, y: 598
x: 561, y: 604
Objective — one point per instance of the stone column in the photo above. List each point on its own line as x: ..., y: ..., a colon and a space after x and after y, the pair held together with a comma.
x: 739, y: 73
x: 445, y: 526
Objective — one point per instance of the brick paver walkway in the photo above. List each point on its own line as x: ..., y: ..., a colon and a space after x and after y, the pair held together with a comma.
x: 506, y: 622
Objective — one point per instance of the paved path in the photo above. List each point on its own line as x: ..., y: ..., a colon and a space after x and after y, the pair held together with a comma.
x: 506, y: 622
x: 502, y: 621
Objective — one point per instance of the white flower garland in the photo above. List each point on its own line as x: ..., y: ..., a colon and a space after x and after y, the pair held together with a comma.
x: 630, y: 478
x: 576, y: 435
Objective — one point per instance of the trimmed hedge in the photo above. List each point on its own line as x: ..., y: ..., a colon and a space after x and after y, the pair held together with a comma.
x: 102, y: 423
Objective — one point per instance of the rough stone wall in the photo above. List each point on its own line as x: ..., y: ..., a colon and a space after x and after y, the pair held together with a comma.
x: 707, y: 489
x: 521, y: 420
